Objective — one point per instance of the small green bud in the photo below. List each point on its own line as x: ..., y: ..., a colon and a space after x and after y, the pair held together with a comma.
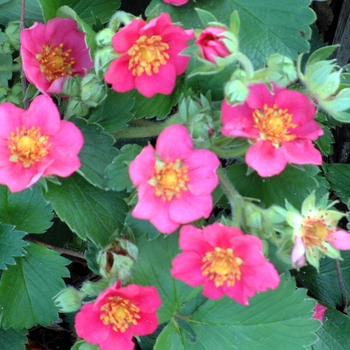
x: 68, y: 300
x: 77, y: 106
x: 71, y: 86
x: 281, y: 69
x: 92, y: 289
x: 117, y: 259
x: 104, y: 37
x: 236, y: 90
x: 93, y: 90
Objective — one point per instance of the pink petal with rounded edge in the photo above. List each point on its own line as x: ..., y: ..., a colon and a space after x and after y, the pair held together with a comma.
x: 339, y: 239
x: 56, y: 86
x: 153, y: 208
x: 265, y: 159
x: 147, y: 324
x: 259, y: 95
x: 298, y: 253
x: 118, y: 340
x: 193, y: 239
x: 168, y: 145
x: 238, y: 121
x: 238, y: 292
x: 297, y: 104
x: 10, y: 118
x: 141, y: 169
x: 42, y: 113
x: 301, y: 151
x: 89, y: 326
x: 162, y: 82
x: 119, y: 75
x: 219, y: 235
x: 211, y: 291
x: 189, y: 208
x: 126, y: 37
x: 202, y: 165
x: 187, y: 268
x: 157, y: 25
x: 310, y: 130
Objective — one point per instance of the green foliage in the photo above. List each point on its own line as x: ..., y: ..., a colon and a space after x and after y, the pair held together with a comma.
x: 12, y: 339
x: 339, y: 176
x: 11, y: 245
x: 27, y: 288
x: 153, y: 268
x: 10, y: 10
x: 278, y: 319
x: 96, y: 154
x: 114, y: 113
x: 332, y: 334
x: 294, y: 184
x: 324, y: 285
x: 26, y: 210
x: 118, y: 171
x: 89, y: 211
x: 267, y: 26
x: 88, y: 10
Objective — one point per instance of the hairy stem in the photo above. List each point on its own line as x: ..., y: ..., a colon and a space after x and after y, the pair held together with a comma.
x: 23, y: 77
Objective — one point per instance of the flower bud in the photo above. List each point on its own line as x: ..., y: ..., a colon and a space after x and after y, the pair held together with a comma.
x: 213, y: 43
x: 68, y: 300
x: 71, y: 86
x: 93, y: 91
x: 104, y: 37
x: 281, y: 69
x: 236, y: 90
x: 117, y: 259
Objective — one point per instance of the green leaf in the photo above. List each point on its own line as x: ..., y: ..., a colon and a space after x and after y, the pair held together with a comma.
x: 89, y: 211
x: 10, y: 11
x: 267, y: 26
x: 332, y: 334
x: 294, y: 184
x: 118, y: 172
x: 5, y: 76
x: 205, y: 17
x: 157, y: 106
x: 153, y: 268
x: 339, y: 177
x: 320, y: 54
x: 12, y: 339
x: 141, y: 228
x: 325, y: 285
x: 325, y: 142
x: 277, y: 319
x: 97, y: 153
x: 27, y: 288
x: 27, y: 210
x: 86, y: 9
x: 114, y: 113
x: 11, y: 244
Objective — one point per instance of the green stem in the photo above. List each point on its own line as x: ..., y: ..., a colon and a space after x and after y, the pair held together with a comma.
x: 13, y: 68
x: 341, y: 285
x: 246, y: 63
x: 234, y: 198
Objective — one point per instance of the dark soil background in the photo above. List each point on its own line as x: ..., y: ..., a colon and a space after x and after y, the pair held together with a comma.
x: 333, y: 24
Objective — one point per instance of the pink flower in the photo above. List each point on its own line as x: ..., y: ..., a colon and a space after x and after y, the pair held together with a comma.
x: 117, y: 314
x: 176, y: 2
x: 211, y: 44
x: 280, y: 124
x: 150, y: 56
x: 174, y: 180
x: 53, y: 52
x: 224, y: 261
x: 319, y: 312
x: 36, y: 143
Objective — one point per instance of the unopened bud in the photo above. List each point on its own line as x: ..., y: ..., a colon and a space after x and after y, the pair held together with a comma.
x: 93, y: 90
x: 69, y: 300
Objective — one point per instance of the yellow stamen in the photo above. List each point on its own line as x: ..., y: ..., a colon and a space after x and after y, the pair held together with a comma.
x: 55, y: 62
x: 274, y: 124
x: 147, y: 54
x: 120, y: 313
x: 170, y: 179
x: 222, y: 266
x: 28, y: 146
x: 315, y: 233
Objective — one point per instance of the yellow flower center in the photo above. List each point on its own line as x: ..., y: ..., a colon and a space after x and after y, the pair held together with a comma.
x: 147, y: 54
x: 120, y: 313
x: 222, y: 266
x: 315, y: 232
x: 274, y: 124
x: 170, y: 179
x: 28, y: 146
x: 55, y: 62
